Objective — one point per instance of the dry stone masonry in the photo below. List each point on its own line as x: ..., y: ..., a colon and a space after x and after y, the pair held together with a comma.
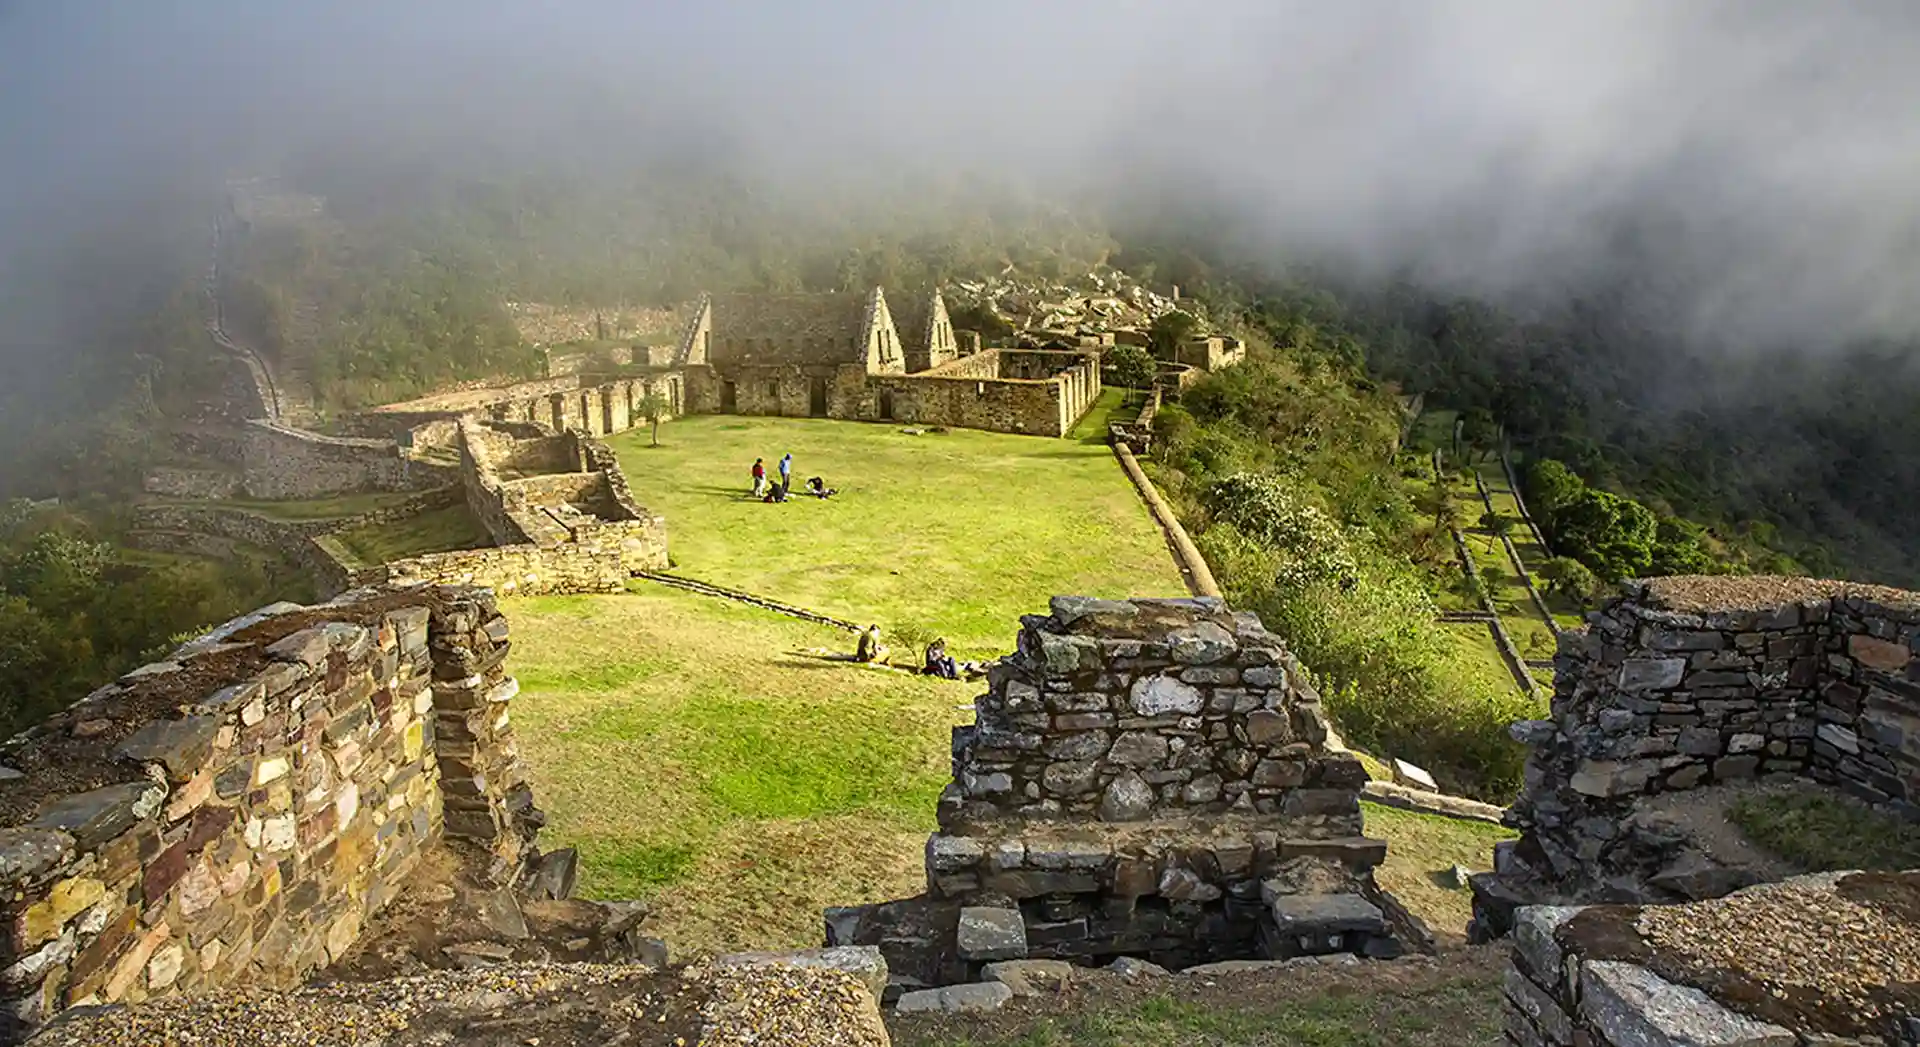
x: 1685, y: 682
x: 235, y: 814
x: 1146, y: 778
x: 1831, y: 960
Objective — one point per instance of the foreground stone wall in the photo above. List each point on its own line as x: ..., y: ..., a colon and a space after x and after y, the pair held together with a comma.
x: 1145, y: 778
x: 1814, y: 960
x: 235, y: 814
x: 1685, y: 682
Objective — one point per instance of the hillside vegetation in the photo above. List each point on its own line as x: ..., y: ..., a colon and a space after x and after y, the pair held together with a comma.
x: 1286, y: 469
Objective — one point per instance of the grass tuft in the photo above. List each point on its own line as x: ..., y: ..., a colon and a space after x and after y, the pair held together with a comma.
x: 1822, y: 832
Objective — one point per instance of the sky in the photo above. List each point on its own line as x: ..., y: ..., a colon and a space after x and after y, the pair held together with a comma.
x: 1488, y: 146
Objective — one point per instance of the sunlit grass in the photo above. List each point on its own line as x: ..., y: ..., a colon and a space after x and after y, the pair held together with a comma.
x: 957, y: 533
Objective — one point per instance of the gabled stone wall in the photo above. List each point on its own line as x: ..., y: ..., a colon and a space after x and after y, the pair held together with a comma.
x: 1685, y: 682
x: 235, y: 814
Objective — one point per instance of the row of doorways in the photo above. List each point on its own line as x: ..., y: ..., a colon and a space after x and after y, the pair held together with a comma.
x: 816, y: 398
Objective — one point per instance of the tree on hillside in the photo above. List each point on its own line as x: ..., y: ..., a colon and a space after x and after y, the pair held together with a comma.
x: 1613, y: 536
x: 1495, y: 524
x: 1480, y: 431
x: 651, y: 407
x: 1551, y: 486
x: 1168, y: 330
x: 1133, y: 367
x: 1438, y: 501
x: 1570, y: 578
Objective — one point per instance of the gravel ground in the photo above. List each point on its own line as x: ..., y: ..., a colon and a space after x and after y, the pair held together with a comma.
x: 1761, y: 592
x: 1822, y: 951
x: 533, y: 1005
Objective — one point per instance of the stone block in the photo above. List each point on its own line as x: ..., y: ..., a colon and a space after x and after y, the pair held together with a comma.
x: 1126, y: 799
x: 1699, y: 741
x: 1734, y: 767
x: 1629, y: 1004
x: 1651, y: 674
x: 1138, y: 749
x: 94, y: 817
x: 180, y: 746
x: 1160, y: 694
x: 1313, y: 915
x: 1839, y: 737
x: 1413, y: 776
x: 1356, y: 852
x: 991, y: 934
x: 1883, y: 655
x: 1611, y: 778
x: 1540, y: 1008
x: 1202, y: 643
x: 1030, y: 977
x: 28, y: 854
x: 970, y: 998
x: 1534, y: 928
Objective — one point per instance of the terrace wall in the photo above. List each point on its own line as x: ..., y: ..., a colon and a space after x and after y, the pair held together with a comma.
x: 285, y: 463
x: 237, y: 813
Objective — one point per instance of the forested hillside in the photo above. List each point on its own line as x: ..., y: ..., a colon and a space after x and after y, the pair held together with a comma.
x: 1792, y: 461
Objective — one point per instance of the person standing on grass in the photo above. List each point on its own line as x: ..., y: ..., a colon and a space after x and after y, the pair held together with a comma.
x: 759, y: 477
x: 786, y: 472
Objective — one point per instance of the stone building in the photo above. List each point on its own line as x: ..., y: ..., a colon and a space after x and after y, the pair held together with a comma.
x: 1146, y: 778
x: 863, y: 357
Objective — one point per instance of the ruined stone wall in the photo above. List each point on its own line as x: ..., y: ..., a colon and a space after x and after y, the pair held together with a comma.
x: 1146, y: 778
x: 199, y: 484
x: 283, y: 463
x: 235, y: 814
x: 1756, y: 968
x: 1685, y: 682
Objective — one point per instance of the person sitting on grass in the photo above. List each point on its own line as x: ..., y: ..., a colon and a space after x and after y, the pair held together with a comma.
x: 819, y: 489
x: 776, y: 493
x: 939, y: 663
x: 870, y: 649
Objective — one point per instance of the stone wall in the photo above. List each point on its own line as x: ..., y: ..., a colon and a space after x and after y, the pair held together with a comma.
x: 1754, y: 969
x: 200, y: 484
x: 1145, y: 778
x: 235, y: 814
x: 1006, y: 391
x: 285, y: 463
x: 1685, y: 682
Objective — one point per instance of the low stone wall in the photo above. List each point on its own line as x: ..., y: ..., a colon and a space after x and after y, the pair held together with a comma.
x: 284, y: 463
x: 234, y: 815
x: 175, y: 482
x: 1814, y: 960
x: 1147, y: 778
x: 1684, y: 682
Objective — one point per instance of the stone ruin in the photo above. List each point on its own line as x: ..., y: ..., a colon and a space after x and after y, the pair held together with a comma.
x: 1148, y: 779
x: 1683, y: 683
x: 271, y: 801
x: 1628, y: 927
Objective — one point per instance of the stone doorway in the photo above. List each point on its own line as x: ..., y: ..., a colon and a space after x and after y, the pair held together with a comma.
x: 886, y: 405
x: 817, y: 397
x: 728, y: 400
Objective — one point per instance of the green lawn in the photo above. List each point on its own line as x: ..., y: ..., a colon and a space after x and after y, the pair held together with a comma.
x: 700, y: 760
x: 1421, y: 849
x: 1113, y: 405
x: 956, y: 533
x: 435, y: 531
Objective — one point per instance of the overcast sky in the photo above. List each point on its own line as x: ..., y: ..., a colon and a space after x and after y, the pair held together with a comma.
x: 1488, y: 144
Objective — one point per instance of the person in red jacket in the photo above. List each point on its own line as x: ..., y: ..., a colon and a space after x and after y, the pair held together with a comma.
x: 759, y: 477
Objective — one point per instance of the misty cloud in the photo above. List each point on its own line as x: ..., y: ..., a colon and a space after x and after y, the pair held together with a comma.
x: 1761, y: 157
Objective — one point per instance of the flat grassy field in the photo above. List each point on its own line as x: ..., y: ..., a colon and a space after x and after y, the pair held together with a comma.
x: 956, y: 533
x: 699, y: 760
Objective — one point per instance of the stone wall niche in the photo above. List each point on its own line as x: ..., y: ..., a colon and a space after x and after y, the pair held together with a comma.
x: 1146, y: 778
